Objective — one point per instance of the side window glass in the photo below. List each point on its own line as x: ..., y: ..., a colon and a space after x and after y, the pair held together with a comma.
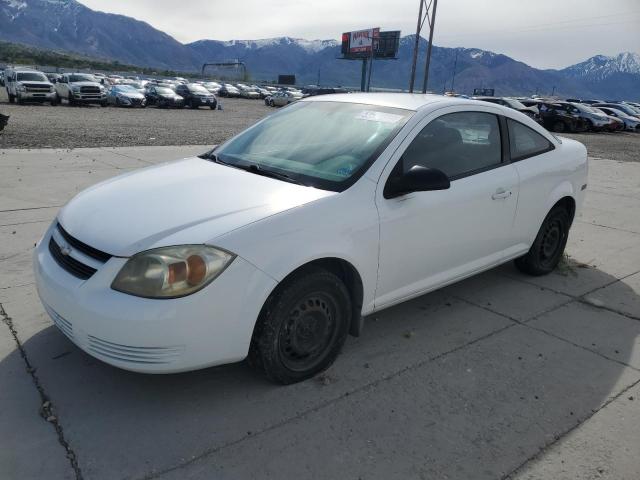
x: 459, y: 144
x: 524, y: 142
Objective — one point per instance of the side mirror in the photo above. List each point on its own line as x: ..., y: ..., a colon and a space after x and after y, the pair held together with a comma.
x: 417, y: 179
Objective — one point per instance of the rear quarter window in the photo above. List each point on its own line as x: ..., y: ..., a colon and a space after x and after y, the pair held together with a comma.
x: 524, y: 142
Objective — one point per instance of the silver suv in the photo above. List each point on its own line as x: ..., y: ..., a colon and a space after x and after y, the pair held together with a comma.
x: 29, y: 86
x: 77, y: 88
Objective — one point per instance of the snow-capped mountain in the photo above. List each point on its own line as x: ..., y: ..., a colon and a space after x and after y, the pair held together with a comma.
x: 69, y: 25
x: 601, y: 67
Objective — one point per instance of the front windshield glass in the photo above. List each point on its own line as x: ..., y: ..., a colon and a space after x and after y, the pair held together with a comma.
x: 31, y: 77
x: 82, y: 78
x: 327, y: 145
x: 513, y: 103
x: 198, y: 89
x: 124, y: 88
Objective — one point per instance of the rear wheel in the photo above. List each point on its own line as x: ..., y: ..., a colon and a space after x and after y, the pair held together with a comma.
x: 302, y: 327
x: 548, y: 247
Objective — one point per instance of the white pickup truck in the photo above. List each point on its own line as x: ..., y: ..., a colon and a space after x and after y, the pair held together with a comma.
x: 79, y: 88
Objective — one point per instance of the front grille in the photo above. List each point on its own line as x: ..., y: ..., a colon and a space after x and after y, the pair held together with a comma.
x: 83, y: 247
x: 90, y: 90
x: 37, y: 89
x: 70, y: 264
x: 131, y: 354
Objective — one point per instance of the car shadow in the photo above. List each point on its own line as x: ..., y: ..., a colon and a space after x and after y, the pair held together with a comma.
x: 451, y: 373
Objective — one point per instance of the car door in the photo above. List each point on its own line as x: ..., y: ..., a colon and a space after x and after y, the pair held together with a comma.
x: 62, y: 87
x: 429, y: 239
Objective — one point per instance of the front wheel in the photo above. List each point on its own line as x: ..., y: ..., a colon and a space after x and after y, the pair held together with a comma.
x: 548, y: 247
x: 559, y: 127
x: 302, y: 327
x: 12, y: 98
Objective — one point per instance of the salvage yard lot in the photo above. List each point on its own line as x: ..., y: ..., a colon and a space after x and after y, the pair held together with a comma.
x: 498, y: 376
x: 43, y: 126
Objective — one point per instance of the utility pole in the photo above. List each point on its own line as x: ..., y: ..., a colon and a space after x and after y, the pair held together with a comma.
x: 453, y: 79
x: 416, y: 46
x: 432, y: 25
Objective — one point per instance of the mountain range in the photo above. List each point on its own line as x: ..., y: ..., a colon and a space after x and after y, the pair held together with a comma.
x: 68, y: 25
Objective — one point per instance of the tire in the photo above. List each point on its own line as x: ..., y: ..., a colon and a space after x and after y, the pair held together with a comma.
x: 71, y: 101
x: 559, y: 126
x: 271, y: 104
x: 56, y: 101
x: 302, y: 327
x: 192, y: 105
x: 589, y: 126
x: 104, y: 104
x: 12, y: 98
x: 548, y: 247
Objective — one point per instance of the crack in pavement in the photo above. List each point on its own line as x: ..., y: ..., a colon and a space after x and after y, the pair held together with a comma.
x: 560, y: 436
x: 608, y: 226
x: 30, y: 208
x: 47, y: 410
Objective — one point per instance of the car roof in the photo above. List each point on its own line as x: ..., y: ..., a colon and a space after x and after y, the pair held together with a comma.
x: 407, y: 101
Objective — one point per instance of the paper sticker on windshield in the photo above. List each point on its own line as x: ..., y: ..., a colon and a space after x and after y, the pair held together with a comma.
x: 382, y: 117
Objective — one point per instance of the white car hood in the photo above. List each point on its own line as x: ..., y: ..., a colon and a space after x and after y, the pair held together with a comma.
x: 190, y: 201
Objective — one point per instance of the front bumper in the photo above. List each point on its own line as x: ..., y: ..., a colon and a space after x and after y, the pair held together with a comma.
x: 36, y: 96
x: 210, y: 327
x: 204, y: 102
x: 89, y: 97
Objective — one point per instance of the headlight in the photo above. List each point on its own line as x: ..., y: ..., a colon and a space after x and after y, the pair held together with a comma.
x: 171, y: 272
x: 21, y: 88
x: 75, y: 88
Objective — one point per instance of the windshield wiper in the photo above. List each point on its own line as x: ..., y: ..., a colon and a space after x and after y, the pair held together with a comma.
x: 253, y: 168
x: 258, y: 170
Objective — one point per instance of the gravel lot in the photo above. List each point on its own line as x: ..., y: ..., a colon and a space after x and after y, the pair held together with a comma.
x: 42, y: 126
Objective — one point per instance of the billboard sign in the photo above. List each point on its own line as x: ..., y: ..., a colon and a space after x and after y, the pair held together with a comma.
x: 483, y: 92
x: 359, y: 43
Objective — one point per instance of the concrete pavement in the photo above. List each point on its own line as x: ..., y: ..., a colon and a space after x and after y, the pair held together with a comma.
x: 499, y: 376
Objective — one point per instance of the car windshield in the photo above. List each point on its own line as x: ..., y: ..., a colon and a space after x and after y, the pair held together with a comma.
x: 124, y: 88
x: 516, y: 104
x: 198, y: 89
x: 164, y: 90
x: 82, y: 78
x: 31, y: 77
x: 327, y: 145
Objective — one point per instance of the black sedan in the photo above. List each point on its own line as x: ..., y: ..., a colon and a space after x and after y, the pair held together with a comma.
x: 195, y: 95
x: 163, y: 97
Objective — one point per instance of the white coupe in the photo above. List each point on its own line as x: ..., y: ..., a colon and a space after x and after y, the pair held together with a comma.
x: 275, y: 245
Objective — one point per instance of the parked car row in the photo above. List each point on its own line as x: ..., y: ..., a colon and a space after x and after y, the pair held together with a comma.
x: 575, y: 115
x: 29, y: 86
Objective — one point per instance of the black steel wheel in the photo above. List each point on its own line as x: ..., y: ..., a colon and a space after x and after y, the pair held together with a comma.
x: 302, y: 327
x: 548, y: 247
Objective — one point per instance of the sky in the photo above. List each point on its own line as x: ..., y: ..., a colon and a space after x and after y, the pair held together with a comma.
x: 541, y: 33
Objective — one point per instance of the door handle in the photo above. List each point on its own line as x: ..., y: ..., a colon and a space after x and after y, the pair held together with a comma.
x: 501, y: 193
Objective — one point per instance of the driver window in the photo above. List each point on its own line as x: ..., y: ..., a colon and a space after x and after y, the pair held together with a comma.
x: 459, y: 144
